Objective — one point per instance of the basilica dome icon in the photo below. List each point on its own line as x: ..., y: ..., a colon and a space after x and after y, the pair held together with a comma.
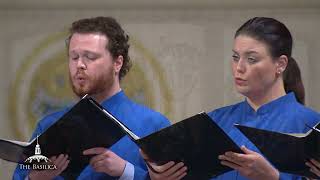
x: 37, y: 155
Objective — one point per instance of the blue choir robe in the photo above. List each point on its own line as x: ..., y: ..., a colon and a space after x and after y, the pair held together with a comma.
x: 140, y: 119
x: 284, y: 115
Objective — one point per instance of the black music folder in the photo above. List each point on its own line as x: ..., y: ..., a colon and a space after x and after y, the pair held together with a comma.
x: 287, y: 152
x: 84, y: 126
x: 197, y: 141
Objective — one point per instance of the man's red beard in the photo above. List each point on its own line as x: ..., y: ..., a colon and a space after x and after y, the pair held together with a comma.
x: 88, y: 85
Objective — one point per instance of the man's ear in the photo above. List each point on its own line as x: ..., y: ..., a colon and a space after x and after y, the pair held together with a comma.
x: 117, y: 64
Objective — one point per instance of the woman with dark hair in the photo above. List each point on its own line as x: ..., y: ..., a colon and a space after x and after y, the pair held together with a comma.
x: 267, y: 75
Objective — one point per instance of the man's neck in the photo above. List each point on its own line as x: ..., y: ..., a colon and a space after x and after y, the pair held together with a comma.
x: 100, y: 97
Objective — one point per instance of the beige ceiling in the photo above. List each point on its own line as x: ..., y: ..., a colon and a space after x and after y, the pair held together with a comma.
x: 155, y: 4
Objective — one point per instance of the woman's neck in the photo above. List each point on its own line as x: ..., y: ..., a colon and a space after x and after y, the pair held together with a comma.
x: 266, y: 96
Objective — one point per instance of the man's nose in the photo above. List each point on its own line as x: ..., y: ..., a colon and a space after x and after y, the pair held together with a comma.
x: 81, y: 64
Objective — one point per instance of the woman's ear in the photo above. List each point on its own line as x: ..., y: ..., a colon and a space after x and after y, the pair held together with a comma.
x: 282, y: 64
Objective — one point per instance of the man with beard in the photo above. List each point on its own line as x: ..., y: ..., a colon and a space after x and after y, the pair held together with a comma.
x: 98, y: 60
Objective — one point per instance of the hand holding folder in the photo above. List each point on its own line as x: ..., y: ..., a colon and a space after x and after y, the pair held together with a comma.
x: 196, y: 141
x: 287, y: 152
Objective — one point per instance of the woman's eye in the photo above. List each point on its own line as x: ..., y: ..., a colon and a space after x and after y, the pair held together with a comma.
x: 252, y: 60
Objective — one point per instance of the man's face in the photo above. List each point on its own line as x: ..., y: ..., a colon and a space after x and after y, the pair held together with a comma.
x: 91, y: 66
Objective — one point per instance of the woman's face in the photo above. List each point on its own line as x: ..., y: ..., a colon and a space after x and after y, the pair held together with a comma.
x: 253, y: 69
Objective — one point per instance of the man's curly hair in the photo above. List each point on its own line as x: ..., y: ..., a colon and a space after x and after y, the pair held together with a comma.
x: 117, y: 38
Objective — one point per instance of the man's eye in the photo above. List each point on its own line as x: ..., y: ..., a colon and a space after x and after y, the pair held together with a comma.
x: 235, y: 58
x: 91, y: 56
x: 74, y: 57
